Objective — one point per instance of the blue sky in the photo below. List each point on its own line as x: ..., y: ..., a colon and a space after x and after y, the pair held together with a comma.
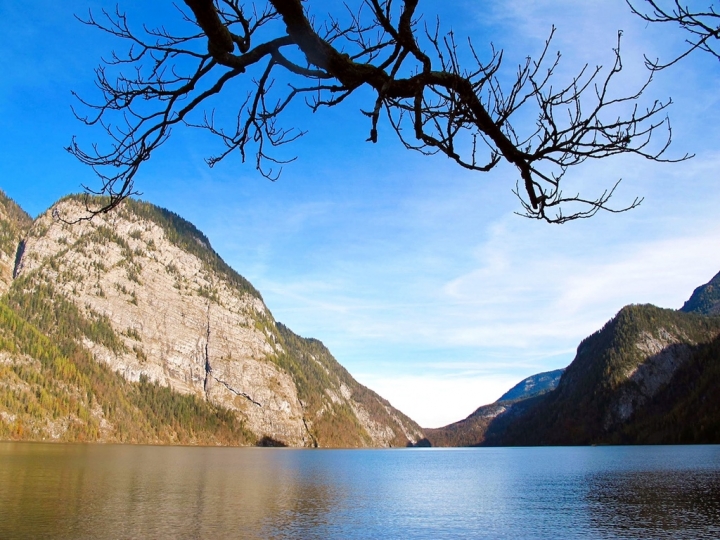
x: 416, y: 274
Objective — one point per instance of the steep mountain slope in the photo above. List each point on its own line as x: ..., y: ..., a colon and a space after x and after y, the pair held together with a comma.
x: 144, y: 293
x: 684, y: 411
x: 52, y: 389
x: 471, y: 430
x: 650, y: 375
x: 624, y: 379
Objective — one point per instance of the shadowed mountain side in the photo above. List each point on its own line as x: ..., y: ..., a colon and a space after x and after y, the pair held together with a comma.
x: 468, y: 432
x: 684, y: 412
x: 647, y: 377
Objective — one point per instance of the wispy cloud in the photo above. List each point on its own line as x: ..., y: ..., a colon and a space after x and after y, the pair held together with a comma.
x: 530, y: 297
x: 519, y: 293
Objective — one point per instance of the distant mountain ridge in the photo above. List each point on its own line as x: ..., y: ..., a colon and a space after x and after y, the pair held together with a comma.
x: 472, y: 430
x: 130, y: 328
x: 534, y: 385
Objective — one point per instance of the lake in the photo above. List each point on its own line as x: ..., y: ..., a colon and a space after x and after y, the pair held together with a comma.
x: 115, y: 491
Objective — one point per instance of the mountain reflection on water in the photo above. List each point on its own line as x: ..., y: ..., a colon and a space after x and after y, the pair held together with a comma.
x: 113, y: 491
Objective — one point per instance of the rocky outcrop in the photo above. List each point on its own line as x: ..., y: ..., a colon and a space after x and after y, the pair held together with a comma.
x: 182, y: 318
x: 662, y: 356
x: 14, y: 223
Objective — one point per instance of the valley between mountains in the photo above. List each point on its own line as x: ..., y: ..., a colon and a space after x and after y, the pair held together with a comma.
x: 130, y: 328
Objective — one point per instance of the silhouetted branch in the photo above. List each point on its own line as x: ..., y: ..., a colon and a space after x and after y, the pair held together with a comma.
x: 433, y: 100
x: 702, y: 25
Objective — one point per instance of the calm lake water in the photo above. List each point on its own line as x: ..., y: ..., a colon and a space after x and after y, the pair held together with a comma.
x: 97, y: 491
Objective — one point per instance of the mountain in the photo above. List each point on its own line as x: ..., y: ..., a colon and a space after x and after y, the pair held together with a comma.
x: 129, y: 327
x: 649, y: 376
x: 471, y: 431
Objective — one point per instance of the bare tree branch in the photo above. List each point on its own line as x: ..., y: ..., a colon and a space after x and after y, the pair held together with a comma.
x: 703, y: 26
x: 432, y: 98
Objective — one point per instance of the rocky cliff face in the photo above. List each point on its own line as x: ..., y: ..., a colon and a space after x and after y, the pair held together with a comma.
x: 14, y: 224
x: 173, y: 313
x: 663, y: 353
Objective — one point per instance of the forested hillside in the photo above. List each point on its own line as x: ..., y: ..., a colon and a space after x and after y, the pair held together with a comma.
x: 648, y: 376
